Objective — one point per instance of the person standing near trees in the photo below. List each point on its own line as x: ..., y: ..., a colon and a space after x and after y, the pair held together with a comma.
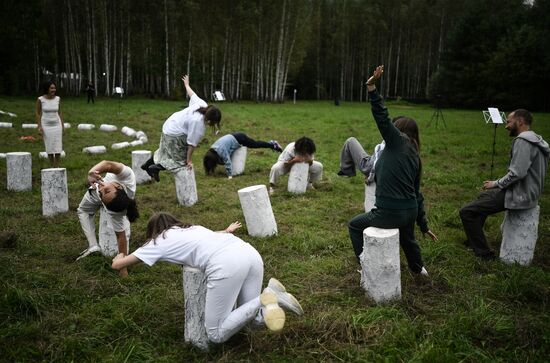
x: 520, y: 188
x: 182, y: 133
x: 399, y: 203
x: 90, y: 90
x: 50, y: 122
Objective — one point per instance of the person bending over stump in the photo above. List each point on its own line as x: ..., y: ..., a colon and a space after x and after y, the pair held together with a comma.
x: 116, y: 192
x: 300, y: 151
x: 234, y: 273
x: 399, y: 202
x: 181, y: 133
x: 220, y: 152
x: 520, y: 188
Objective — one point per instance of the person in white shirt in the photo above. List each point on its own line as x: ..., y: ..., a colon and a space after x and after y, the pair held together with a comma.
x: 300, y: 151
x: 115, y: 192
x: 182, y: 133
x: 234, y: 273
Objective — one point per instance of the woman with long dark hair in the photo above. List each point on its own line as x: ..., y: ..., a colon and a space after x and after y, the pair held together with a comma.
x: 50, y: 122
x: 399, y: 203
x: 181, y: 134
x: 234, y: 272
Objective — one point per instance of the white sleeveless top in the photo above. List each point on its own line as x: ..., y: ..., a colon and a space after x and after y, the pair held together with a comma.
x: 50, y: 109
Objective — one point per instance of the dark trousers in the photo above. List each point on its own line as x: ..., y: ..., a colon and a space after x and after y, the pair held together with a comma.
x: 244, y: 140
x: 473, y: 216
x: 150, y: 162
x: 91, y: 97
x: 404, y: 219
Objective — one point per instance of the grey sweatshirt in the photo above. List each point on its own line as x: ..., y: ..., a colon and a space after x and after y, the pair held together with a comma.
x: 525, y: 178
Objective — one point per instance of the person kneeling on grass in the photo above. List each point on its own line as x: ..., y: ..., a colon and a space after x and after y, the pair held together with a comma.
x: 220, y: 152
x: 300, y: 151
x: 234, y: 272
x: 115, y: 192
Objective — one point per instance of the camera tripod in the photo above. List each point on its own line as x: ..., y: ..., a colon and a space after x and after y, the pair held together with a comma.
x: 437, y: 114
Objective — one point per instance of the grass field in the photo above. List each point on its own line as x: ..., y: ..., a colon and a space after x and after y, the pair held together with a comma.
x: 55, y: 309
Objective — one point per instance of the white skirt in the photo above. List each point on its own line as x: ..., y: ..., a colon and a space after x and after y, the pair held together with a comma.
x: 52, y: 135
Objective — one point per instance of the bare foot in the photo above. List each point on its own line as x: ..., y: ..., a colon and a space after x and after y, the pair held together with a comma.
x: 123, y: 272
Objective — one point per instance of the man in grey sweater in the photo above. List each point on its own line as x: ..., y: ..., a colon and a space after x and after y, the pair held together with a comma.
x: 520, y: 188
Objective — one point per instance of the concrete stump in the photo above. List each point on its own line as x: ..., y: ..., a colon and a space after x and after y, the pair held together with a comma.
x: 120, y: 145
x: 5, y: 125
x: 140, y: 134
x: 186, y: 187
x: 139, y: 157
x: 519, y: 235
x: 107, y: 237
x: 100, y: 149
x: 2, y: 155
x: 44, y: 155
x: 67, y: 125
x: 370, y: 198
x: 19, y: 171
x: 136, y: 143
x: 85, y: 126
x: 238, y: 161
x: 128, y: 131
x: 194, y: 296
x: 381, y: 271
x: 29, y: 126
x: 298, y: 178
x: 107, y: 128
x: 55, y: 195
x: 144, y: 139
x: 257, y: 211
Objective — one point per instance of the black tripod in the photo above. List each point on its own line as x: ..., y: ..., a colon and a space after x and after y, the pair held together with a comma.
x: 437, y: 114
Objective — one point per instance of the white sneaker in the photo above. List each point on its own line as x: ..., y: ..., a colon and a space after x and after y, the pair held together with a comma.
x: 274, y: 316
x: 271, y: 190
x: 88, y: 251
x: 285, y: 299
x: 423, y: 272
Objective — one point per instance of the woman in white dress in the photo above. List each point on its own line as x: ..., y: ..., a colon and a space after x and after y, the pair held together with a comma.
x: 50, y: 122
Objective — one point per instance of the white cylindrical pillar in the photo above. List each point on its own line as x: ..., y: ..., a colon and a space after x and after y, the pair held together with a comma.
x: 144, y: 139
x: 100, y: 149
x: 519, y: 235
x: 194, y: 296
x: 136, y: 143
x: 2, y: 155
x: 29, y: 126
x: 139, y: 157
x: 5, y: 125
x: 107, y: 128
x: 19, y: 171
x: 67, y: 125
x: 120, y: 145
x: 381, y: 271
x: 186, y: 186
x: 370, y: 198
x: 55, y: 195
x: 128, y: 131
x: 107, y: 237
x: 238, y: 161
x: 257, y: 211
x: 85, y: 126
x: 140, y: 134
x: 44, y: 155
x: 298, y: 178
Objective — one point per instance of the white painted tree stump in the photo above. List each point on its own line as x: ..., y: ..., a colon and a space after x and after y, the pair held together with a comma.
x: 381, y: 271
x: 144, y: 139
x: 5, y: 125
x: 186, y: 186
x: 257, y: 211
x: 107, y: 128
x: 107, y: 237
x: 2, y: 155
x: 120, y: 145
x: 194, y: 296
x: 44, y: 155
x: 100, y: 149
x: 519, y: 235
x: 67, y: 125
x: 238, y: 161
x: 139, y: 157
x: 29, y: 126
x: 136, y: 143
x: 19, y: 171
x: 55, y: 195
x: 298, y: 178
x: 85, y: 126
x: 128, y: 131
x: 370, y: 198
x: 140, y: 134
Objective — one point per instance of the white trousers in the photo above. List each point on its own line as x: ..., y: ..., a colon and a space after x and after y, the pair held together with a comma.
x: 234, y: 275
x: 279, y: 168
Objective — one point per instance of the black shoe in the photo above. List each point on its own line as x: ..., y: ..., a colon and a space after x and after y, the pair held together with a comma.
x: 145, y: 166
x: 341, y: 173
x: 488, y: 256
x: 153, y: 171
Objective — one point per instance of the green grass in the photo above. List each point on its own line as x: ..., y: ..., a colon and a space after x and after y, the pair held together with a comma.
x: 54, y: 309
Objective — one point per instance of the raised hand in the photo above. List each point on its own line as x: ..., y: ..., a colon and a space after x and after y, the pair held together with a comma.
x: 376, y: 75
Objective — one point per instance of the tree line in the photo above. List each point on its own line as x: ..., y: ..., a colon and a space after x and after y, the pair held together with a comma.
x: 467, y: 52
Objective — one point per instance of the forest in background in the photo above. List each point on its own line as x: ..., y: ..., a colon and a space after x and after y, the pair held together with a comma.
x: 466, y: 53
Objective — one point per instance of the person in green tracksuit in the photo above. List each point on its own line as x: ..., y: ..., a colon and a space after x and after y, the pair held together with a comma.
x: 399, y: 203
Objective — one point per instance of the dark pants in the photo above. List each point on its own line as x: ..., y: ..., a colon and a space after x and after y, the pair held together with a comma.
x: 473, y: 217
x: 404, y: 219
x: 244, y: 140
x: 91, y: 97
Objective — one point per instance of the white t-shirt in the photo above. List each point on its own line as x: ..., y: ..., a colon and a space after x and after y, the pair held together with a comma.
x: 187, y: 122
x: 289, y: 153
x: 193, y: 246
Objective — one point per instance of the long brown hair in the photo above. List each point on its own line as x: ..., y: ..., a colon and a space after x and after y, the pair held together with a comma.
x: 409, y: 127
x: 212, y: 115
x: 160, y: 223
